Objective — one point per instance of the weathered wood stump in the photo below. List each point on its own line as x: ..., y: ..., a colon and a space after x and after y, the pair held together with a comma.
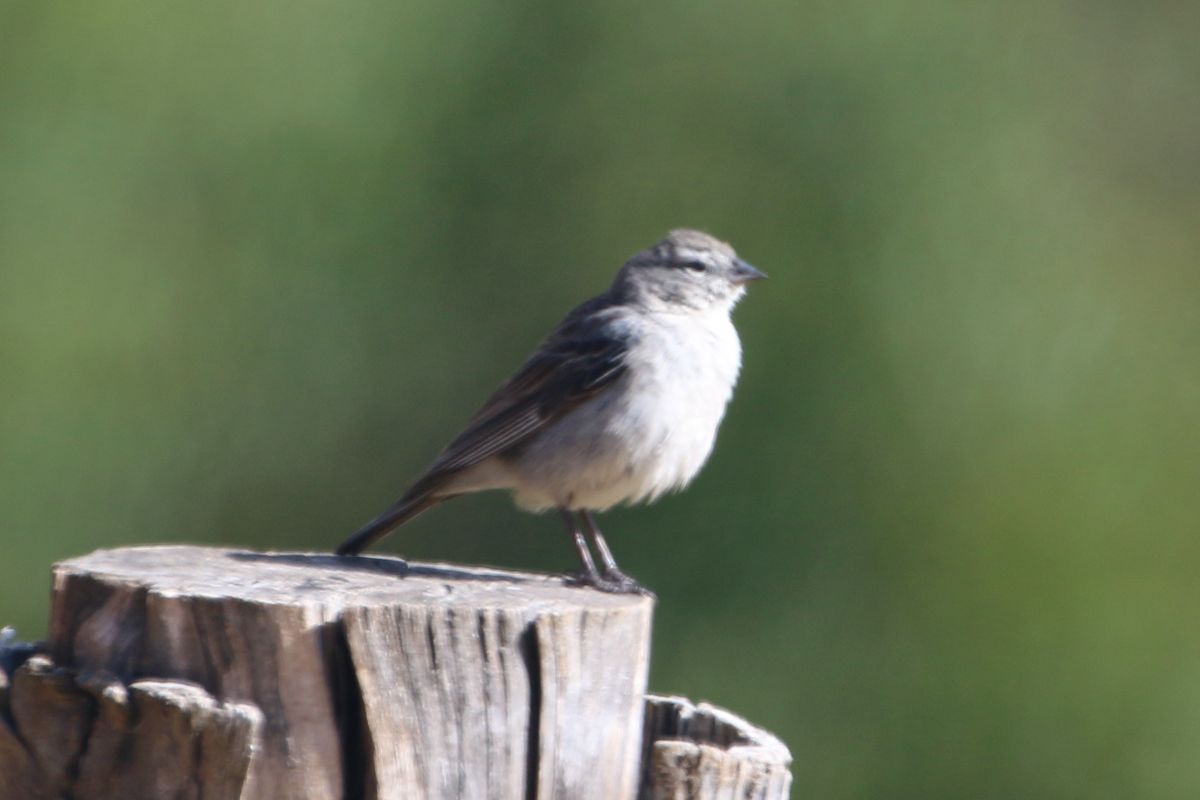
x: 214, y: 674
x: 701, y: 752
x: 374, y: 675
x: 87, y: 736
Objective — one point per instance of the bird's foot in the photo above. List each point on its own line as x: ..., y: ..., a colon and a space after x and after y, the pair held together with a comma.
x: 612, y: 581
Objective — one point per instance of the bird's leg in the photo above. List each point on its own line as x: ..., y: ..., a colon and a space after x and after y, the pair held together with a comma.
x: 606, y: 556
x: 612, y: 579
x: 590, y: 575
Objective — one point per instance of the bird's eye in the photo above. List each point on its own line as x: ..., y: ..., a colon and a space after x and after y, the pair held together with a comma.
x: 695, y: 266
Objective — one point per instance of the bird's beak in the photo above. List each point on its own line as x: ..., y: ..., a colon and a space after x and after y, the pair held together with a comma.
x: 744, y: 273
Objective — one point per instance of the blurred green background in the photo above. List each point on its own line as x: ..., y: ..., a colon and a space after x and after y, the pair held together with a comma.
x: 260, y: 260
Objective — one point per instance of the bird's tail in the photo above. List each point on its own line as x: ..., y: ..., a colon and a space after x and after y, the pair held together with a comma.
x: 388, y: 521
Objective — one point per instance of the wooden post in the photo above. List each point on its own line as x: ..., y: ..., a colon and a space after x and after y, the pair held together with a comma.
x: 701, y: 752
x: 207, y: 673
x: 409, y: 680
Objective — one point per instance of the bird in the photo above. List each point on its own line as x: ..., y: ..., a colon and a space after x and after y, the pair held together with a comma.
x: 619, y: 404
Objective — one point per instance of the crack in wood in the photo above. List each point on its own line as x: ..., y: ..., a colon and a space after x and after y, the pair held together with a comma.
x: 531, y: 655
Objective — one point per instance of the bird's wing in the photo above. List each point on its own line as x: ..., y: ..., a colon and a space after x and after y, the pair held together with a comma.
x: 584, y: 354
x: 572, y: 366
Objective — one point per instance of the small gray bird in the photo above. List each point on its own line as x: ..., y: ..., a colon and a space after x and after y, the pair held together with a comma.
x: 620, y: 403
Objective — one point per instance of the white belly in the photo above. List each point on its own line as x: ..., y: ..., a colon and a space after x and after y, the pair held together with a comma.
x: 650, y: 433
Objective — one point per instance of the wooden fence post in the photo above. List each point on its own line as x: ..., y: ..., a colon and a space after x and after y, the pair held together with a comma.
x: 192, y: 672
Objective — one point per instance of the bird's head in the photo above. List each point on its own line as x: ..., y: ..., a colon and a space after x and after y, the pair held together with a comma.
x: 686, y: 270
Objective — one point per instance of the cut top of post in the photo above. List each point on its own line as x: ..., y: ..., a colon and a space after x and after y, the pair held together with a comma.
x: 332, y: 582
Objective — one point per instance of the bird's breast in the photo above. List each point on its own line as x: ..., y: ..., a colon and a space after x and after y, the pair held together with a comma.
x: 650, y: 432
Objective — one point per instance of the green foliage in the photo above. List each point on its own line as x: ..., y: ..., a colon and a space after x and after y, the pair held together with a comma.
x: 259, y: 261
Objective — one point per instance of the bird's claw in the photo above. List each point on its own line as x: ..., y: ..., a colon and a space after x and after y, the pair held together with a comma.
x: 612, y: 581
